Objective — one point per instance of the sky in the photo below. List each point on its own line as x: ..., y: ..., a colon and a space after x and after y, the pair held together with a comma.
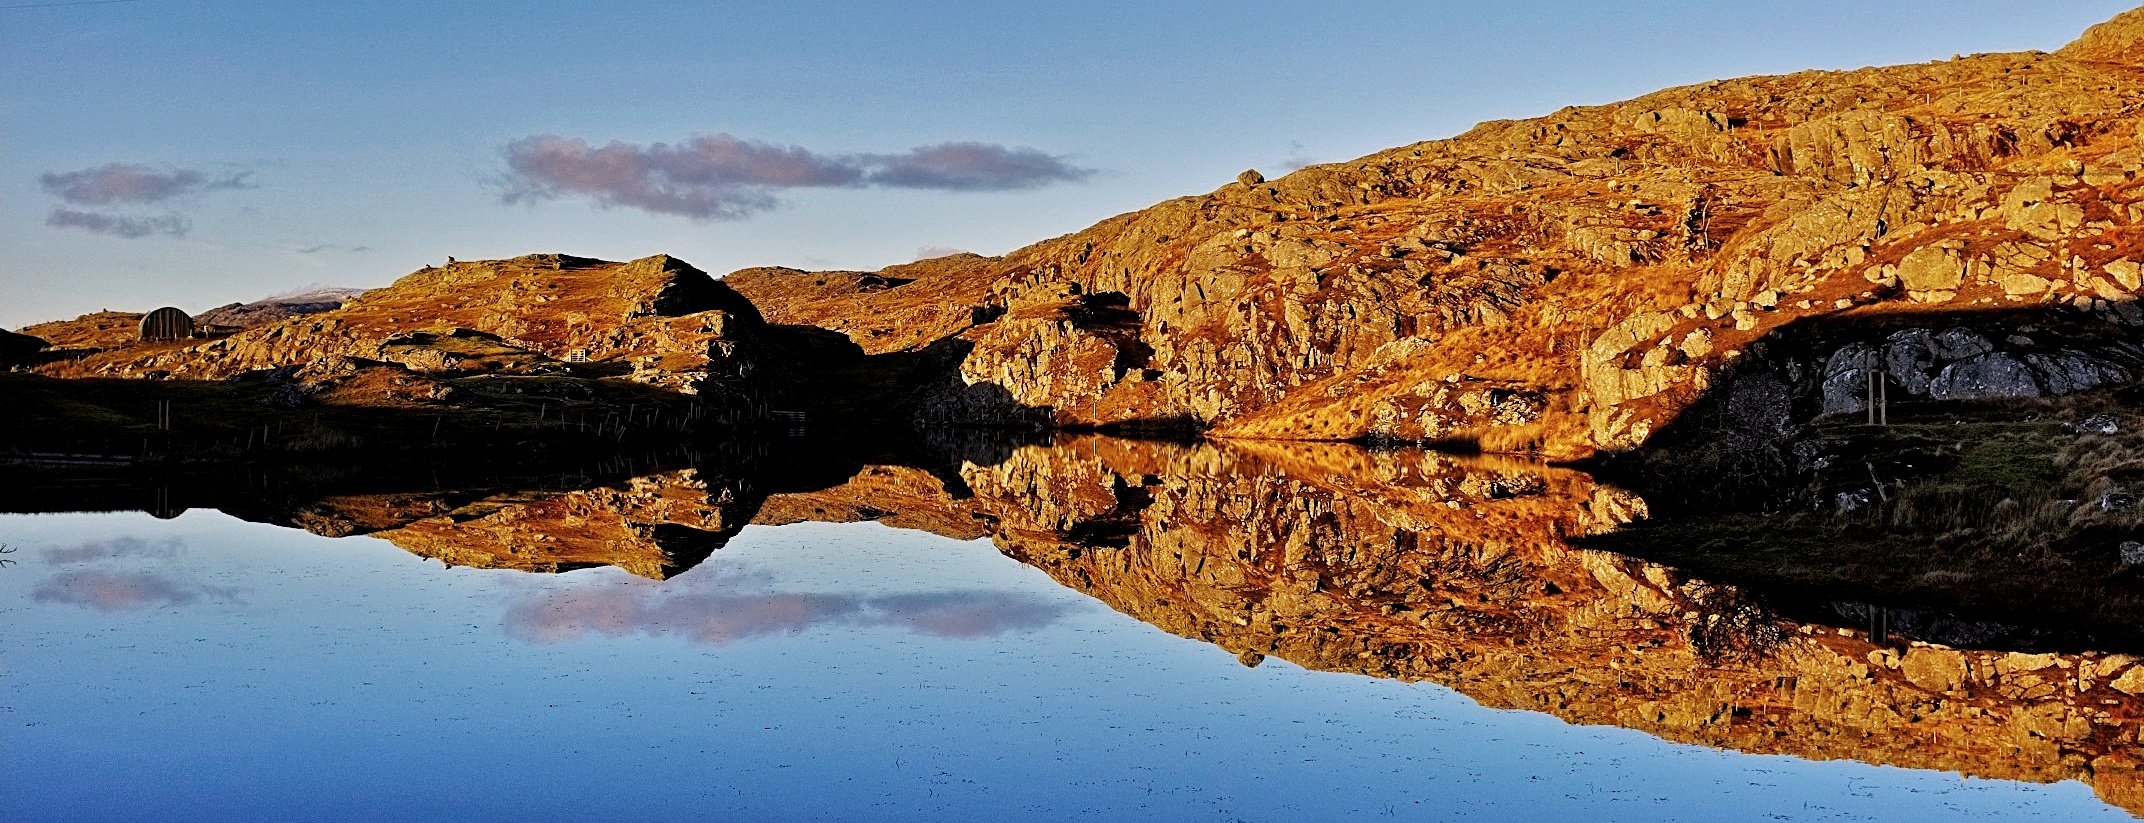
x: 201, y: 152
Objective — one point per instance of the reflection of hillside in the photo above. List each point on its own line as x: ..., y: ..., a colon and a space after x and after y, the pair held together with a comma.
x: 1410, y: 565
x: 655, y: 527
x: 1458, y: 571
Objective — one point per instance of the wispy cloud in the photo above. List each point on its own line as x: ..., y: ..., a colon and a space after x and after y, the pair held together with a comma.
x: 729, y: 178
x: 971, y: 167
x: 133, y: 183
x: 111, y: 549
x: 722, y: 617
x: 119, y: 225
x: 119, y: 591
x: 127, y: 185
x: 333, y: 247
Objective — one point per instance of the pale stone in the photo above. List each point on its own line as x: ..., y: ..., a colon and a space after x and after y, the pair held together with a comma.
x: 1932, y: 268
x: 2129, y: 273
x: 2019, y: 284
x: 1937, y: 670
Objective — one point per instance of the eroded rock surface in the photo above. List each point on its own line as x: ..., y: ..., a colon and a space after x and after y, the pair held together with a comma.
x: 670, y: 324
x: 1562, y: 284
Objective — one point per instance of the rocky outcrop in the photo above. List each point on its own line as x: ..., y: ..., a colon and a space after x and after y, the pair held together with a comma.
x: 667, y: 323
x: 1964, y: 364
x: 2120, y: 40
x: 90, y: 332
x: 1568, y: 283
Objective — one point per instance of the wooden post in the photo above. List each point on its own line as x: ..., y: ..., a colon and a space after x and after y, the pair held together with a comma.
x: 1872, y: 396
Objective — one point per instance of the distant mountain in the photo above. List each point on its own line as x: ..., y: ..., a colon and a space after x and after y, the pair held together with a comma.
x: 278, y: 308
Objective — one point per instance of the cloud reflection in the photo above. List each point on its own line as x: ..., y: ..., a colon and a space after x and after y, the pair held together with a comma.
x: 110, y: 591
x: 112, y: 549
x: 623, y: 608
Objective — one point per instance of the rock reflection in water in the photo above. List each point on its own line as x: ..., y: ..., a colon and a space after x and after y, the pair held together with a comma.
x: 1410, y: 565
x: 1423, y: 566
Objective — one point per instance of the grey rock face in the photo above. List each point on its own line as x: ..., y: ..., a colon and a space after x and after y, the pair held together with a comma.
x: 1846, y: 392
x: 1846, y: 378
x: 1960, y: 343
x: 1909, y: 357
x: 2132, y: 553
x: 1985, y: 377
x: 2070, y: 371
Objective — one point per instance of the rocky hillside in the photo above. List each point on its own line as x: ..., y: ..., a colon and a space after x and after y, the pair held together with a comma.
x: 1954, y: 231
x: 656, y: 321
x: 1573, y: 282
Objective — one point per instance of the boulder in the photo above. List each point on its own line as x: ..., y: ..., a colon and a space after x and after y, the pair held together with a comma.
x: 1937, y: 670
x: 1909, y: 358
x: 2070, y: 371
x: 1933, y: 268
x: 1846, y: 378
x: 1986, y: 377
x: 1959, y: 343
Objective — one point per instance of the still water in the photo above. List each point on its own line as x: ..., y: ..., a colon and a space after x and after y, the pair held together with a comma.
x: 208, y: 668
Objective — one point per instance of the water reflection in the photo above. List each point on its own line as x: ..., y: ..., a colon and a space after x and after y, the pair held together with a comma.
x: 120, y: 591
x: 124, y: 573
x: 114, y: 548
x: 1465, y: 571
x: 710, y: 609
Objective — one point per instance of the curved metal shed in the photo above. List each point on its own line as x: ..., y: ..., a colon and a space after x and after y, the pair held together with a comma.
x: 166, y: 323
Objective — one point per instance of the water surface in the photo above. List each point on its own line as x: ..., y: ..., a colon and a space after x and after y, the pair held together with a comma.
x: 208, y: 668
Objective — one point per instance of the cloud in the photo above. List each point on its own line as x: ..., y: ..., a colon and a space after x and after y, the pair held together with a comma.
x: 966, y: 613
x: 729, y: 178
x: 973, y: 167
x: 930, y: 252
x: 113, y: 549
x: 133, y: 183
x: 119, y: 225
x: 332, y: 247
x: 721, y: 618
x: 110, y: 591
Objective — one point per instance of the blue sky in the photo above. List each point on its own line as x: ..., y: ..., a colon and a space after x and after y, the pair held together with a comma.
x: 257, y: 147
